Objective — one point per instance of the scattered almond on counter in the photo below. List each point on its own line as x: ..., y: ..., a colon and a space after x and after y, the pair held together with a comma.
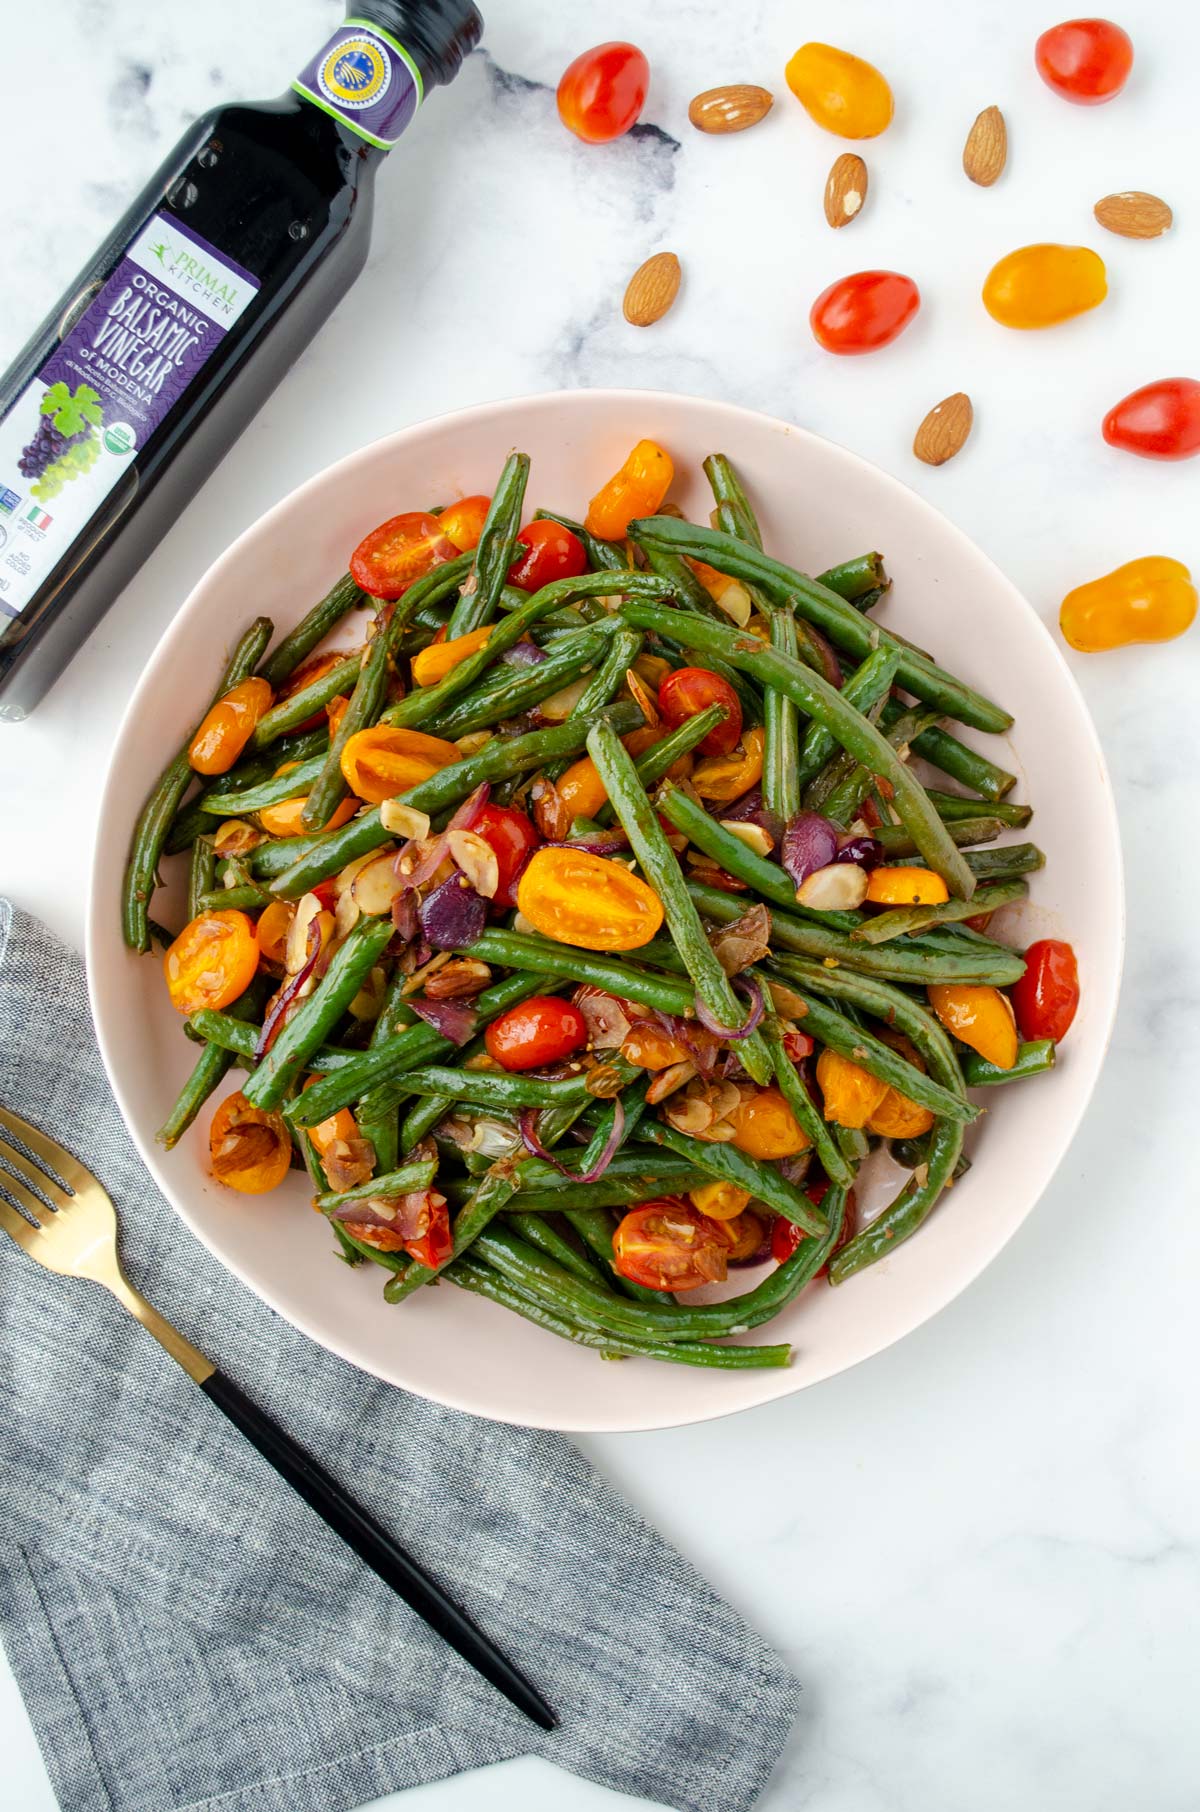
x: 845, y: 189
x: 1134, y: 214
x: 730, y: 109
x: 944, y: 431
x: 652, y: 289
x: 986, y: 150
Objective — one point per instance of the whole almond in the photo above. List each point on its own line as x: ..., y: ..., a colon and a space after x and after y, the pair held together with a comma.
x: 652, y: 289
x: 730, y: 109
x: 845, y: 189
x: 1134, y: 214
x: 986, y: 150
x: 944, y: 431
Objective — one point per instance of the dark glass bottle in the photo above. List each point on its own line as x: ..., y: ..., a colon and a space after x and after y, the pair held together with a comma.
x: 189, y: 314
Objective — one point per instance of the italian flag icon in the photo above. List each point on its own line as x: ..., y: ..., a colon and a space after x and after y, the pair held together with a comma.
x: 39, y: 518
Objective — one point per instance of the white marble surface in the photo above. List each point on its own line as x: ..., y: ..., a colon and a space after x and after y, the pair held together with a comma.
x: 979, y: 1550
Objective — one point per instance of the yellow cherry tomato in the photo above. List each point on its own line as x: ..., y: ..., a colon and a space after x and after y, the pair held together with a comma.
x: 897, y: 1117
x: 765, y: 1126
x: 385, y: 759
x: 229, y: 726
x: 636, y: 490
x: 1040, y: 285
x: 1149, y: 600
x: 581, y: 788
x: 720, y: 1201
x: 436, y: 661
x: 575, y: 897
x: 650, y: 1048
x: 979, y: 1016
x: 726, y: 777
x: 287, y: 818
x: 839, y: 91
x: 906, y: 887
x: 851, y: 1094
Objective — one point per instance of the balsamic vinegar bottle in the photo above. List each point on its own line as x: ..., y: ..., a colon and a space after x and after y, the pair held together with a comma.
x: 187, y: 317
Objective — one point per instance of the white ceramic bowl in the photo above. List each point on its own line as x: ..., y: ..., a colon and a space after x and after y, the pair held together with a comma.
x: 818, y: 504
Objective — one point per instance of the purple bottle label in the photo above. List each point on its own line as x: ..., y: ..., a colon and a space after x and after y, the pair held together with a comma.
x: 119, y: 368
x: 366, y: 79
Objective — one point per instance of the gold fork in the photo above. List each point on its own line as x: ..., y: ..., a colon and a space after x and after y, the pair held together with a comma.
x: 69, y: 1225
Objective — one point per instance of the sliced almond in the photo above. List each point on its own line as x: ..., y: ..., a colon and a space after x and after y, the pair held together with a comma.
x: 752, y: 835
x: 986, y: 150
x: 647, y: 705
x: 652, y: 289
x: 404, y: 821
x: 731, y: 108
x: 346, y: 915
x: 838, y: 888
x: 473, y: 741
x: 236, y: 838
x: 944, y: 431
x: 1134, y: 214
x: 377, y: 885
x: 736, y: 602
x: 845, y: 189
x: 344, y: 879
x: 667, y: 1081
x: 308, y: 911
x: 477, y: 859
x: 558, y: 707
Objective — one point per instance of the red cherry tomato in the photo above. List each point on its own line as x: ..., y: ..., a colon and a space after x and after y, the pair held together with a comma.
x: 1045, y: 998
x: 603, y: 91
x: 436, y: 1244
x: 1159, y: 421
x: 553, y: 552
x: 1085, y: 60
x: 864, y: 311
x: 512, y: 840
x: 399, y: 552
x: 786, y: 1236
x: 669, y: 1245
x: 688, y: 691
x: 542, y: 1030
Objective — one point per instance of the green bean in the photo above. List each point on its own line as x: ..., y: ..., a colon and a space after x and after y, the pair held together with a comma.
x: 765, y: 1182
x: 210, y: 1068
x: 767, y: 879
x: 1033, y: 1059
x: 292, y: 711
x: 394, y: 1182
x: 684, y: 582
x: 540, y: 1233
x: 202, y: 874
x: 308, y: 1029
x: 494, y: 1191
x: 660, y: 758
x: 508, y: 691
x: 623, y: 651
x: 824, y: 703
x: 362, y: 711
x: 950, y: 756
x: 486, y: 1088
x: 617, y: 1191
x: 853, y: 1144
x: 311, y: 630
x: 538, y: 955
x: 244, y: 803
x: 495, y: 551
x: 729, y: 495
x: 781, y: 722
x: 378, y: 1112
x: 843, y: 802
x: 840, y: 1034
x: 908, y: 1153
x: 895, y: 840
x: 230, y: 1032
x: 869, y: 682
x: 420, y: 1120
x: 837, y: 619
x: 954, y: 808
x: 804, y: 1108
x: 857, y: 580
x: 192, y: 820
x: 156, y: 816
x: 902, y: 920
x: 603, y: 556
x: 246, y: 897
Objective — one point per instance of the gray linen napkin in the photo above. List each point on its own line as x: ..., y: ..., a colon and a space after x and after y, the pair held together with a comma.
x: 187, y: 1633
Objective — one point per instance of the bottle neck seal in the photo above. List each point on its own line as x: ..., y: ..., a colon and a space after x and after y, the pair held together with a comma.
x: 372, y: 73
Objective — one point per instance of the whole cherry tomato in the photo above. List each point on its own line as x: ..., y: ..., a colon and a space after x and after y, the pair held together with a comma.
x: 603, y: 91
x: 1047, y: 995
x: 668, y: 1245
x: 688, y: 691
x: 839, y: 91
x: 462, y: 522
x: 212, y: 961
x: 636, y: 490
x: 981, y: 1017
x: 228, y: 727
x: 864, y: 311
x: 512, y: 839
x: 1085, y: 60
x: 553, y: 552
x: 399, y: 552
x: 1041, y: 285
x: 541, y: 1030
x: 1159, y: 421
x: 313, y: 670
x: 1147, y: 600
x: 765, y: 1126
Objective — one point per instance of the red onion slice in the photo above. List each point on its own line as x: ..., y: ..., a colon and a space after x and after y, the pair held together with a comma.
x: 522, y: 654
x: 600, y: 842
x: 449, y: 1017
x: 273, y: 1023
x: 809, y: 842
x: 754, y: 993
x: 527, y: 1121
x: 826, y: 661
x: 467, y: 813
x: 867, y: 852
x: 453, y: 916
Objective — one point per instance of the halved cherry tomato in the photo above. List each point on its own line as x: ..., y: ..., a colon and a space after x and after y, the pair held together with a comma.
x: 864, y: 311
x: 581, y: 789
x: 906, y: 887
x: 981, y: 1016
x: 552, y: 552
x: 636, y: 490
x: 540, y: 1031
x: 250, y: 1148
x: 385, y: 759
x: 228, y: 727
x: 897, y: 1117
x: 726, y: 777
x: 850, y: 1093
x: 1159, y: 421
x: 274, y: 923
x: 603, y: 91
x: 720, y: 1201
x: 512, y: 839
x: 463, y: 521
x: 287, y: 818
x: 668, y: 1245
x: 765, y: 1126
x: 435, y: 1246
x: 1047, y: 995
x: 308, y: 675
x: 1085, y: 60
x: 212, y: 961
x: 399, y: 552
x: 578, y: 898
x: 690, y: 690
x: 441, y: 657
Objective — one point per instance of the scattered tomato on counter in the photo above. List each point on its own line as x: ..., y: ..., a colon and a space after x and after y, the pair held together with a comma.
x: 1041, y: 285
x: 840, y: 91
x: 864, y: 311
x: 1159, y: 421
x: 1147, y: 600
x: 602, y: 93
x: 1086, y: 61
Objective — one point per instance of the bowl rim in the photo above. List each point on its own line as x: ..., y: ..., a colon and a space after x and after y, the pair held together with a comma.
x: 775, y: 1383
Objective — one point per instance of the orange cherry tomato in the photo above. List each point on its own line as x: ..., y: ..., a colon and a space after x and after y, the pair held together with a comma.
x: 850, y: 1093
x: 906, y: 887
x: 688, y: 691
x: 650, y: 1048
x: 536, y: 1032
x: 212, y: 962
x: 575, y: 897
x: 723, y: 778
x: 720, y: 1201
x: 581, y: 788
x: 1047, y: 995
x: 603, y: 91
x: 228, y: 727
x: 1086, y: 61
x: 1159, y: 421
x: 636, y: 490
x: 897, y: 1117
x: 384, y: 760
x: 980, y: 1016
x: 668, y: 1245
x: 765, y: 1126
x: 249, y: 1147
x: 1041, y: 285
x: 287, y: 818
x: 399, y: 552
x: 839, y: 91
x: 512, y: 839
x: 864, y: 311
x: 550, y: 552
x: 1147, y: 600
x: 462, y: 522
x: 274, y: 923
x: 308, y: 675
x: 440, y: 658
